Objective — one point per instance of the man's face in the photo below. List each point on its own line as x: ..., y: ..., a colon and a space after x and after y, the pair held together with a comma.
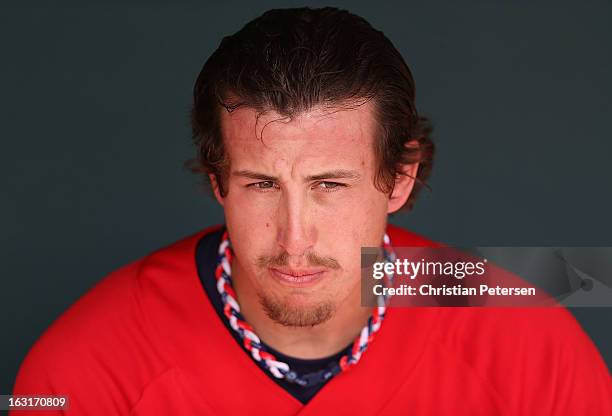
x: 300, y: 204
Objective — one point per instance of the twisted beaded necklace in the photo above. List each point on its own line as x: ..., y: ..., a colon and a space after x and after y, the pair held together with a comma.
x: 259, y: 352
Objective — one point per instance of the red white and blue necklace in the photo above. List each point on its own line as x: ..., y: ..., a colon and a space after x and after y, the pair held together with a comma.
x: 258, y: 350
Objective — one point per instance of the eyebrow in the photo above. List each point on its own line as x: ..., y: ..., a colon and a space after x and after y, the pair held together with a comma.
x: 335, y: 174
x: 332, y: 174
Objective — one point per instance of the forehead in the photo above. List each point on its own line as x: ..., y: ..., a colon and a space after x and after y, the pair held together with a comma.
x: 322, y: 135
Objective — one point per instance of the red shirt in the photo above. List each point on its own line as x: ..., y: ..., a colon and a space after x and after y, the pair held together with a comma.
x: 147, y: 341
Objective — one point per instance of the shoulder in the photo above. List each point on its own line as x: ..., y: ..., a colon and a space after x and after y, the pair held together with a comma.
x: 88, y: 349
x: 539, y: 359
x: 540, y: 328
x: 105, y: 344
x: 402, y: 237
x: 532, y: 356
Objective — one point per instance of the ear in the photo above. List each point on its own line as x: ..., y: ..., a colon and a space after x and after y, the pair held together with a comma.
x: 215, y: 187
x: 404, y: 183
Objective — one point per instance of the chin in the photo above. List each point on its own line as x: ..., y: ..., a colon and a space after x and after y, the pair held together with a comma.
x: 296, y: 310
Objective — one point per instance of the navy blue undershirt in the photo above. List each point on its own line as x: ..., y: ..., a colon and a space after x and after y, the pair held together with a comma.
x: 206, y: 262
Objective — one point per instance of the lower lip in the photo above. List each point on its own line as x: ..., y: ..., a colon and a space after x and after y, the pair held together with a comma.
x: 297, y: 281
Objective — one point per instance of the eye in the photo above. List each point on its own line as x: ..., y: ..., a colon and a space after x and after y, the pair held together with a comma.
x: 263, y: 186
x: 329, y: 186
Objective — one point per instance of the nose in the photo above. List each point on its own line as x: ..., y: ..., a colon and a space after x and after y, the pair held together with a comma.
x: 296, y: 233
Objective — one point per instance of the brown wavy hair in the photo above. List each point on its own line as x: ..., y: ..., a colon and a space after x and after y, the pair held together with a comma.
x: 290, y: 60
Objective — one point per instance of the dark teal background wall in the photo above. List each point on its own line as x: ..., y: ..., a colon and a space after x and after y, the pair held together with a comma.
x: 94, y: 102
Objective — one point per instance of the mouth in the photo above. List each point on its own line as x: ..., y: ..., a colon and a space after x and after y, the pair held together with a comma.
x: 297, y: 277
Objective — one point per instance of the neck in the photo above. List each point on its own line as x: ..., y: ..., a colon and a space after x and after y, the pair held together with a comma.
x: 310, y: 342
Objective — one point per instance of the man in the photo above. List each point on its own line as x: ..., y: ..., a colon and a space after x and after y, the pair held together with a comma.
x: 306, y: 127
